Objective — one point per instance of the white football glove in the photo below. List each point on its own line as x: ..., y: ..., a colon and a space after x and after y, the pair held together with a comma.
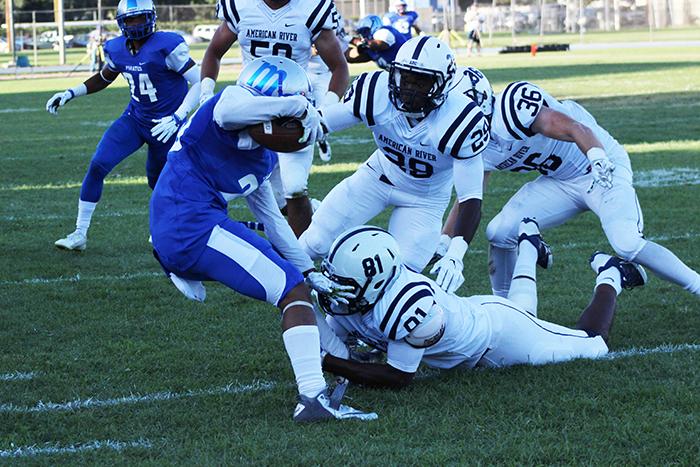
x: 335, y: 292
x: 166, y: 127
x: 601, y: 168
x: 206, y: 89
x: 58, y: 100
x: 312, y: 123
x: 450, y: 267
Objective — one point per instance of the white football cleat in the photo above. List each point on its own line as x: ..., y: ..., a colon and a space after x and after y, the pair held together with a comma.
x: 322, y: 407
x: 631, y: 274
x: 529, y: 230
x: 194, y: 290
x: 76, y: 241
x: 324, y: 150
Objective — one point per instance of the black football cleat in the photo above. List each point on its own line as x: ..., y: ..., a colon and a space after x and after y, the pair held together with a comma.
x: 631, y: 274
x: 529, y: 230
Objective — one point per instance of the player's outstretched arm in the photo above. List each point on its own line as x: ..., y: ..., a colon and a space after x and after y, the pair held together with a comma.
x: 328, y: 49
x: 369, y: 374
x: 95, y: 83
x: 220, y: 43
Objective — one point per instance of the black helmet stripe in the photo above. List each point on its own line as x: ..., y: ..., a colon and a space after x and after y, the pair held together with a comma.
x: 419, y: 47
x: 345, y: 238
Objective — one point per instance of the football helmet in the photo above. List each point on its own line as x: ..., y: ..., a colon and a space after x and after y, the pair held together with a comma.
x: 366, y: 258
x: 368, y: 25
x: 480, y: 90
x: 421, y: 75
x: 129, y: 9
x: 275, y: 76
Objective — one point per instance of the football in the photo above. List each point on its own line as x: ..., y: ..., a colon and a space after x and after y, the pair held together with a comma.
x: 281, y: 134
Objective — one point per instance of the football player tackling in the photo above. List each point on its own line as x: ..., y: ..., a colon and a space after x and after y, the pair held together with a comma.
x: 214, y: 161
x: 158, y: 68
x: 424, y: 135
x: 285, y: 28
x: 407, y: 316
x: 582, y: 168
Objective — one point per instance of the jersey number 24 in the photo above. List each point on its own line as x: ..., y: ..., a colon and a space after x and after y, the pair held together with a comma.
x: 146, y: 87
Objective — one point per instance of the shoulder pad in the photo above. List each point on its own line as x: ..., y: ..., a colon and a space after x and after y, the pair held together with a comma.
x: 367, y: 94
x: 226, y: 11
x: 519, y: 105
x: 407, y: 309
x: 323, y: 16
x: 464, y: 122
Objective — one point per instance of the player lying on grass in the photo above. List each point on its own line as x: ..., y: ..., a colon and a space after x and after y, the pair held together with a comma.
x: 582, y: 168
x: 213, y: 161
x: 406, y: 315
x: 157, y: 65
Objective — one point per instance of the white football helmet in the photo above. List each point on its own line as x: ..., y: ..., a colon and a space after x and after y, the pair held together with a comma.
x: 421, y: 75
x: 366, y: 258
x: 275, y: 76
x: 475, y: 86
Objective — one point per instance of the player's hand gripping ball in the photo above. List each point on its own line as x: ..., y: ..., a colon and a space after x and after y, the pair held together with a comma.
x: 281, y: 134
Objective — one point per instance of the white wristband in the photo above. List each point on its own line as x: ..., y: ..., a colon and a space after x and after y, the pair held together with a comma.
x: 207, y: 86
x: 79, y: 90
x: 595, y: 154
x: 330, y: 98
x: 458, y: 248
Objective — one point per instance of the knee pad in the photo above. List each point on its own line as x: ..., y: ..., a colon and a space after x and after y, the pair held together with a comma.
x: 97, y: 171
x: 502, y: 232
x: 314, y: 242
x: 627, y: 247
x: 294, y: 185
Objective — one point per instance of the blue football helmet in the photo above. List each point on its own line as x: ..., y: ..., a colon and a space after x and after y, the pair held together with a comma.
x: 368, y: 26
x: 275, y: 76
x: 130, y: 8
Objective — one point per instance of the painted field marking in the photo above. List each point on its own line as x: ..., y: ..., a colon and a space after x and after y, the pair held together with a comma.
x: 79, y: 278
x: 48, y: 449
x: 18, y: 376
x: 20, y: 110
x: 260, y: 386
x: 667, y: 177
x: 34, y: 216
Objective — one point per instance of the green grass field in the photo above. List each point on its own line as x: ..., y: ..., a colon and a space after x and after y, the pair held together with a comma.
x: 100, y: 353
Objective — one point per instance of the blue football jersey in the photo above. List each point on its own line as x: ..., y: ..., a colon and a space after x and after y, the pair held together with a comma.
x: 216, y: 155
x: 404, y: 23
x: 154, y: 73
x: 385, y: 57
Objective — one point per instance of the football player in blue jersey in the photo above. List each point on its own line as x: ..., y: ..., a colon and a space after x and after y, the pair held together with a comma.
x: 158, y: 67
x: 402, y: 20
x: 215, y: 160
x: 375, y: 42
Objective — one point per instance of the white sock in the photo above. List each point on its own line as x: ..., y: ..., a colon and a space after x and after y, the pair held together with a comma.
x: 501, y: 264
x: 611, y: 277
x: 85, y: 210
x: 304, y: 349
x: 668, y: 266
x: 523, y: 287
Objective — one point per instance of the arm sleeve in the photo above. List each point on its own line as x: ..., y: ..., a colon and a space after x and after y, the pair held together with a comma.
x: 467, y: 130
x: 520, y: 103
x: 237, y: 108
x: 263, y: 205
x: 192, y: 97
x: 403, y: 356
x: 226, y: 11
x: 385, y: 35
x: 339, y: 117
x: 469, y: 178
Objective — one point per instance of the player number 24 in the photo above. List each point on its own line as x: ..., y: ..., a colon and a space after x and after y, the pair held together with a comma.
x: 146, y: 87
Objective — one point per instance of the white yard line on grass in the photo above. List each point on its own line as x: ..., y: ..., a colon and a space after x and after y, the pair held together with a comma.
x: 39, y: 216
x: 20, y: 109
x: 50, y: 448
x: 18, y: 376
x: 79, y: 278
x: 666, y: 348
x: 232, y: 388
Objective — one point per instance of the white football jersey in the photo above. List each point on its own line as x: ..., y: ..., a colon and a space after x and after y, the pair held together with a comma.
x: 516, y: 148
x: 288, y: 31
x: 421, y: 158
x: 404, y: 304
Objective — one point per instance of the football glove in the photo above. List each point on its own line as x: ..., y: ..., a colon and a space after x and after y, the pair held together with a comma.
x: 601, y: 168
x: 335, y: 292
x: 312, y: 122
x: 166, y: 127
x: 450, y: 267
x: 206, y: 89
x: 59, y: 100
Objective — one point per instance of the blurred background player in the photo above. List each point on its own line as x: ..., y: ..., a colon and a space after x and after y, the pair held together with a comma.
x: 473, y: 22
x: 320, y: 77
x: 582, y: 168
x: 213, y: 161
x: 406, y: 314
x: 402, y: 20
x: 284, y: 28
x: 158, y: 67
x: 374, y: 42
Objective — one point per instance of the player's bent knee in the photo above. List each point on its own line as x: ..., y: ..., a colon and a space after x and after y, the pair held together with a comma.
x: 314, y: 242
x: 627, y: 247
x: 498, y: 232
x: 97, y: 170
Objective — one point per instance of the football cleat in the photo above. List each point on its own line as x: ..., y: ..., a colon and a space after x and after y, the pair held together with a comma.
x: 324, y: 150
x: 529, y: 230
x: 322, y: 407
x: 76, y: 241
x: 194, y: 290
x: 631, y: 274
